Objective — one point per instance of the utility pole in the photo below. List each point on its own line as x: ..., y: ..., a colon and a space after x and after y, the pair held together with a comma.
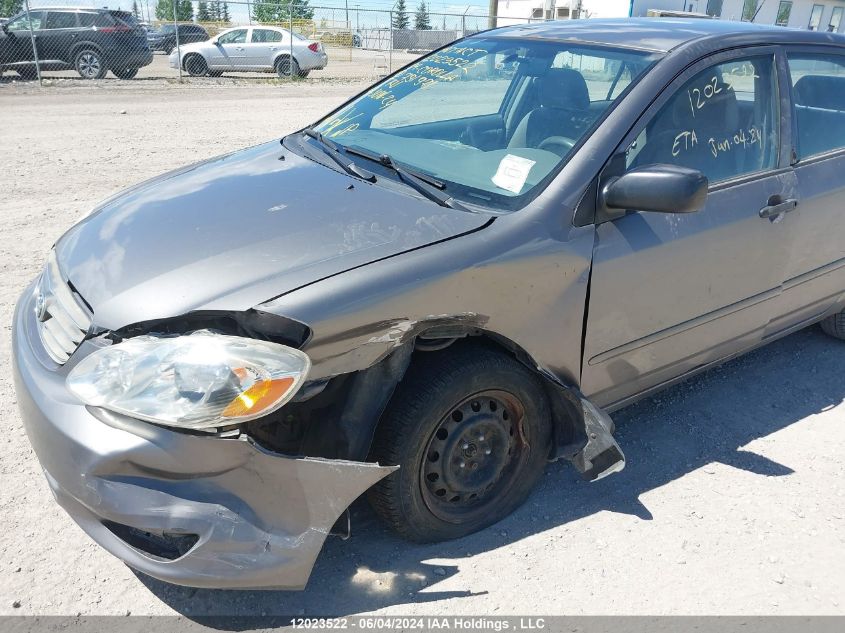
x: 346, y: 3
x: 493, y: 13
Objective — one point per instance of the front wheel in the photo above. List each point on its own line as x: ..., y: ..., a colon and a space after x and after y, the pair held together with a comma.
x: 470, y: 429
x: 285, y: 67
x: 125, y: 73
x: 196, y: 66
x: 834, y: 325
x: 89, y: 64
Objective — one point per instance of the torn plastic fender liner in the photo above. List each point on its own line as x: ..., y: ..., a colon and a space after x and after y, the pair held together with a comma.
x: 590, y: 447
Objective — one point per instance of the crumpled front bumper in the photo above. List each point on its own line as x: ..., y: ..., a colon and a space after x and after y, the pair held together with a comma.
x: 253, y: 518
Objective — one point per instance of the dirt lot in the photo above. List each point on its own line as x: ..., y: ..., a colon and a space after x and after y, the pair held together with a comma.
x: 733, y: 501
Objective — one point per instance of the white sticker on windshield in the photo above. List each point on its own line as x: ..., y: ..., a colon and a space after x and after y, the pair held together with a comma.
x: 512, y: 172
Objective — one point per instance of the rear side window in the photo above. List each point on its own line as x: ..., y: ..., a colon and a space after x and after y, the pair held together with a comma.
x: 61, y: 20
x: 818, y: 91
x: 265, y: 35
x: 723, y: 122
x: 100, y: 20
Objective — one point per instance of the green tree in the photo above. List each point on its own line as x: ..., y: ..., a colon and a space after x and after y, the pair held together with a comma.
x: 135, y: 10
x: 8, y: 8
x: 214, y: 10
x: 225, y: 18
x: 422, y: 20
x: 202, y: 12
x: 274, y: 11
x: 184, y: 10
x: 401, y: 19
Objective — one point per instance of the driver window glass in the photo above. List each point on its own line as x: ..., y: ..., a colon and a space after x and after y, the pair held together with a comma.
x: 723, y: 122
x: 233, y: 37
x: 22, y: 24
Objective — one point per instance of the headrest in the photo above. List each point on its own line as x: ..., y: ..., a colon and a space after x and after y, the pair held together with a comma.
x: 564, y: 88
x: 821, y: 91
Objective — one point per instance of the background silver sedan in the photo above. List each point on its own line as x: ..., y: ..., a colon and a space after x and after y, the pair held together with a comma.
x: 258, y: 48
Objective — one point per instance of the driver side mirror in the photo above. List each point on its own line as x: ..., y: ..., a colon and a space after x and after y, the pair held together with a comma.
x: 5, y: 28
x: 656, y: 188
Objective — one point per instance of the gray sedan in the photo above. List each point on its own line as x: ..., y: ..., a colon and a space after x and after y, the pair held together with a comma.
x: 259, y: 49
x: 453, y: 278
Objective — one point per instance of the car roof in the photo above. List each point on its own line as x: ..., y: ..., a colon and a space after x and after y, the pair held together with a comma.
x: 76, y: 9
x: 662, y: 34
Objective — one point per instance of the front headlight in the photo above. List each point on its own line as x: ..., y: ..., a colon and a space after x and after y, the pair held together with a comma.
x: 193, y: 381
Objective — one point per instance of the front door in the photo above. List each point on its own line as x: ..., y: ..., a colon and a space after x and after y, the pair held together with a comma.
x: 16, y: 45
x: 670, y: 293
x: 229, y: 52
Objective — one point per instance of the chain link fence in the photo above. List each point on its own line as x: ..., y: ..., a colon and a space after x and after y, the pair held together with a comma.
x: 232, y: 41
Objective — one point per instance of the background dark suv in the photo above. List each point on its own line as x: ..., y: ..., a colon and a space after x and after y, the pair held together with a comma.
x: 164, y: 38
x: 92, y: 41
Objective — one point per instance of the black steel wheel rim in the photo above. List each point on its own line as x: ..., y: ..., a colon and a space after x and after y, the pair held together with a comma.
x: 474, y: 456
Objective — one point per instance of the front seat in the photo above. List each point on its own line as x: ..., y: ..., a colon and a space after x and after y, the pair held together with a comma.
x: 564, y: 102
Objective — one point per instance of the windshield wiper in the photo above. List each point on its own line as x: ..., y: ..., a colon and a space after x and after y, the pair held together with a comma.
x: 428, y: 186
x: 332, y: 150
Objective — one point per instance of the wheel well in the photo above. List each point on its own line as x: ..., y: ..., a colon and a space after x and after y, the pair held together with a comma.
x: 80, y: 46
x: 281, y: 56
x: 337, y: 418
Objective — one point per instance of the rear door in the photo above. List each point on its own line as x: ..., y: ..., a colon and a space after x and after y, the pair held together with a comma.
x: 815, y: 276
x: 262, y: 48
x: 58, y: 36
x: 670, y: 293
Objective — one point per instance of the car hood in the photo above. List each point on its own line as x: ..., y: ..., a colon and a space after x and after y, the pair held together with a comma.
x: 238, y: 230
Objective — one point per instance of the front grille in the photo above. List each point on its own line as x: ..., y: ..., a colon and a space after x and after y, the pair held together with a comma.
x: 63, y: 321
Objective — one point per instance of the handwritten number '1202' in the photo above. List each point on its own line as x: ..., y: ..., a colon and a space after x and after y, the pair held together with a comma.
x: 698, y: 97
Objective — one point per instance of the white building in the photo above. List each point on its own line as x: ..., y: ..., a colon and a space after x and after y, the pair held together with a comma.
x: 821, y: 15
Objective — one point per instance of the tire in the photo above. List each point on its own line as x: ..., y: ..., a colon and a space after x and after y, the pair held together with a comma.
x: 285, y: 66
x: 436, y: 420
x: 302, y: 74
x: 215, y: 73
x: 168, y: 49
x: 89, y: 63
x: 834, y: 325
x: 196, y: 65
x: 124, y: 73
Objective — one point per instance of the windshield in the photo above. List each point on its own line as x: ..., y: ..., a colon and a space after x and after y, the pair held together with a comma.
x: 491, y: 118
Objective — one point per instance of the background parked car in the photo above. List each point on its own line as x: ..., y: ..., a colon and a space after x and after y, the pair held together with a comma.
x: 260, y: 49
x: 164, y: 38
x: 91, y: 41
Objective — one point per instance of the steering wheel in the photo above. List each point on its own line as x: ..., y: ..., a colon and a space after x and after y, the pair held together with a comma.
x: 561, y: 142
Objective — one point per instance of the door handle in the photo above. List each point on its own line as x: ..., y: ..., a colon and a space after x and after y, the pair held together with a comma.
x: 777, y: 206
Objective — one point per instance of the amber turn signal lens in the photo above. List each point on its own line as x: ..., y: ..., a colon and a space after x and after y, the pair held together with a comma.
x: 259, y: 396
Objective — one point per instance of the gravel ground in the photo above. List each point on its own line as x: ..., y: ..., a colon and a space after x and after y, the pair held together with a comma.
x: 733, y: 500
